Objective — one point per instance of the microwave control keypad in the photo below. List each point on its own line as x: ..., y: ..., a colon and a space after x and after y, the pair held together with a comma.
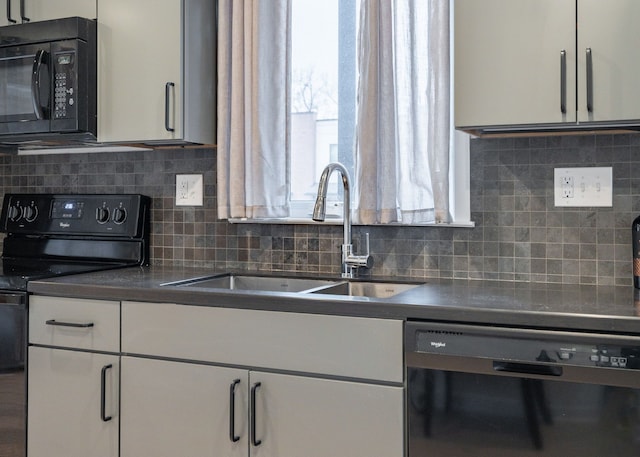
x: 63, y: 96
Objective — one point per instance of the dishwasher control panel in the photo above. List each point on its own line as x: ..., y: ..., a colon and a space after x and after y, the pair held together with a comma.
x: 524, y: 345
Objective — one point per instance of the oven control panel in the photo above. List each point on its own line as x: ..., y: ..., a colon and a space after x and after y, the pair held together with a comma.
x: 90, y: 215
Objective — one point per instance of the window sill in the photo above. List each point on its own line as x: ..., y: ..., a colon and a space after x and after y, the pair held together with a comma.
x: 338, y: 221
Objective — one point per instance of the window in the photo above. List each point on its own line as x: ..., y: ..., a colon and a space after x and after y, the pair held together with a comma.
x: 323, y: 106
x: 292, y: 100
x: 323, y: 98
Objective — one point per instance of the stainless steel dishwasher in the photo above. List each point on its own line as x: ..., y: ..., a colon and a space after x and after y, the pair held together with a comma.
x: 503, y: 392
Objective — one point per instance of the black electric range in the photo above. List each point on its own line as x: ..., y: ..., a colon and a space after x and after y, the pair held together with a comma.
x: 50, y: 235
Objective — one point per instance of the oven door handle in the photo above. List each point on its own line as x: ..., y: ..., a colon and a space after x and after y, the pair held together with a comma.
x: 68, y: 324
x: 35, y: 83
x: 527, y: 368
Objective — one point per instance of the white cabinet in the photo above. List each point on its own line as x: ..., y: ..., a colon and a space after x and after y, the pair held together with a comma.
x: 73, y: 404
x: 111, y: 379
x: 10, y: 12
x: 291, y: 400
x: 296, y: 415
x: 174, y: 408
x: 42, y: 10
x: 524, y: 63
x: 209, y: 410
x: 73, y: 377
x: 353, y: 347
x: 156, y: 70
x: 609, y: 31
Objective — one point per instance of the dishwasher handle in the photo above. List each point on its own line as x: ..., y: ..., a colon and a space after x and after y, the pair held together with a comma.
x: 527, y: 368
x: 13, y: 298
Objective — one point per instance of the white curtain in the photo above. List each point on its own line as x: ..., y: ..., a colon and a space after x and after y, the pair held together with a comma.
x: 253, y: 108
x: 403, y: 128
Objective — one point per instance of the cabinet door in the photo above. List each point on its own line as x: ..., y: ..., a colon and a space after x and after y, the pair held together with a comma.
x: 173, y: 408
x: 303, y: 416
x: 42, y: 10
x: 610, y: 31
x: 139, y: 70
x: 508, y: 62
x: 4, y: 14
x: 67, y: 408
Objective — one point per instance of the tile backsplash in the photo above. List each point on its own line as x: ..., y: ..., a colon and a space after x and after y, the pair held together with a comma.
x: 519, y: 234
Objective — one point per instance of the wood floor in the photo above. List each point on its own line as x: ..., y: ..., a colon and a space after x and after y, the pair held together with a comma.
x: 12, y: 414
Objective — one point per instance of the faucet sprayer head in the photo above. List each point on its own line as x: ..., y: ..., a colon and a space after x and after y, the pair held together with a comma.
x: 319, y: 209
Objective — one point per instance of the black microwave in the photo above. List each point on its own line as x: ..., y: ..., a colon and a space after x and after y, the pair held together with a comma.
x: 48, y: 79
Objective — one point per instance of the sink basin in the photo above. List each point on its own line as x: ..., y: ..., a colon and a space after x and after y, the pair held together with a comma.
x: 254, y: 283
x: 371, y: 289
x: 367, y: 289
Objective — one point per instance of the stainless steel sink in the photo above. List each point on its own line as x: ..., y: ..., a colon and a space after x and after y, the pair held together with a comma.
x: 367, y: 289
x: 371, y: 289
x: 254, y: 283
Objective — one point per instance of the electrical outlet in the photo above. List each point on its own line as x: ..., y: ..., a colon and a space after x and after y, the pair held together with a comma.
x: 189, y: 190
x: 586, y: 186
x: 568, y: 191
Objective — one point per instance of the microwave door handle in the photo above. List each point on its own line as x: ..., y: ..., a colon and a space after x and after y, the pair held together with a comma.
x: 9, y: 18
x: 35, y: 83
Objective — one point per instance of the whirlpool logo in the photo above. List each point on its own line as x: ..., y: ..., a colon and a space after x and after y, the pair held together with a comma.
x: 64, y: 225
x: 438, y: 344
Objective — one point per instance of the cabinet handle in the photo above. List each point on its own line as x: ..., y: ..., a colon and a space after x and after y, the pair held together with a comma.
x: 22, y: 15
x: 68, y: 324
x: 563, y: 81
x: 232, y: 413
x: 589, y: 81
x: 254, y: 389
x: 167, y: 96
x: 9, y: 18
x: 103, y: 394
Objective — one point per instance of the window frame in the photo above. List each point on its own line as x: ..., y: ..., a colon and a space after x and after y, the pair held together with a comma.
x: 459, y: 179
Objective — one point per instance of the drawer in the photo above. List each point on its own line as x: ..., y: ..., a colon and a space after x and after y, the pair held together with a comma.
x: 74, y: 323
x: 353, y: 347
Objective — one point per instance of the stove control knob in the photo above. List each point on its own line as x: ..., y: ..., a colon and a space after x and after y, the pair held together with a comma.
x: 102, y: 215
x: 119, y: 215
x: 15, y: 213
x: 30, y: 213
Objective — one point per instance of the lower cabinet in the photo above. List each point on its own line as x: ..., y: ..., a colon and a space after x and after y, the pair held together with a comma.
x: 305, y: 416
x: 175, y: 408
x: 133, y: 379
x: 181, y: 409
x: 73, y: 403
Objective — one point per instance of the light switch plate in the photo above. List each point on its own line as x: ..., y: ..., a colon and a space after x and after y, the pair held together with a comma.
x: 585, y: 186
x: 189, y: 190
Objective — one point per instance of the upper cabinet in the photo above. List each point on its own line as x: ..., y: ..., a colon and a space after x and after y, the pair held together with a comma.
x: 527, y: 64
x: 42, y: 10
x: 156, y: 67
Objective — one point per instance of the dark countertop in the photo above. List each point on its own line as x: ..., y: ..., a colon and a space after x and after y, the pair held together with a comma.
x: 571, y: 307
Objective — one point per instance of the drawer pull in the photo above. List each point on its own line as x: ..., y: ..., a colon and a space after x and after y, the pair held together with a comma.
x: 68, y: 324
x: 232, y: 412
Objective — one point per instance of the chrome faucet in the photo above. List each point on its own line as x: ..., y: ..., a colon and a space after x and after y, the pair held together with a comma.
x: 350, y: 261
